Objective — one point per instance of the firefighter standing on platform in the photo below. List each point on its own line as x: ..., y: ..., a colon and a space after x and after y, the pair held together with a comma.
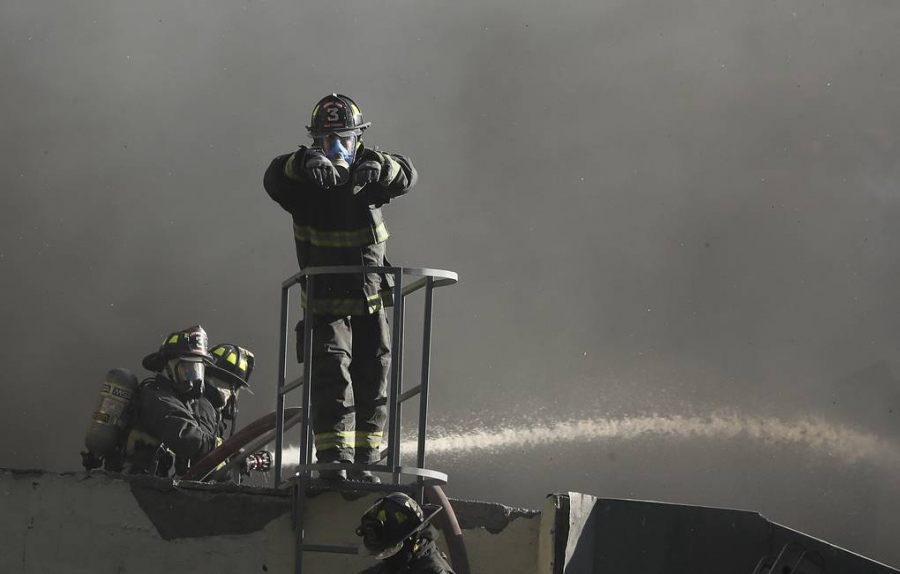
x: 334, y: 190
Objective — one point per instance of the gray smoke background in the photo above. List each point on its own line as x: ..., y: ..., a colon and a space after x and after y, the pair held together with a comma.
x: 657, y: 209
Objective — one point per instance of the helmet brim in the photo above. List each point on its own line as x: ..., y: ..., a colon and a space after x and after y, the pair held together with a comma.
x: 319, y: 133
x: 429, y: 511
x: 229, y: 378
x: 156, y: 362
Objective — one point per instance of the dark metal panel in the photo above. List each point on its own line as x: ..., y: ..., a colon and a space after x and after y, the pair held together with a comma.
x: 641, y: 537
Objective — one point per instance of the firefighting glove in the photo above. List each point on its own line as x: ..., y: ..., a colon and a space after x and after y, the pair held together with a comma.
x: 368, y: 170
x: 319, y: 168
x: 390, y: 168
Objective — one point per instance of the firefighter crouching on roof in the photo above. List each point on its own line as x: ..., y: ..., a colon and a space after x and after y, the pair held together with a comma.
x: 175, y: 422
x: 397, y: 531
x: 223, y: 393
x: 334, y: 191
x: 135, y: 423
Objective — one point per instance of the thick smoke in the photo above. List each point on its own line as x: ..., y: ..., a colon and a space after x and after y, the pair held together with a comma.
x: 673, y: 208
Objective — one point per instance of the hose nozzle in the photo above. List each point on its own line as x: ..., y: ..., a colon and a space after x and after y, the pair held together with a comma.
x: 259, y: 461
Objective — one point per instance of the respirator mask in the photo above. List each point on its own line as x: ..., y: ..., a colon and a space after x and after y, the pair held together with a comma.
x: 340, y: 150
x: 187, y: 376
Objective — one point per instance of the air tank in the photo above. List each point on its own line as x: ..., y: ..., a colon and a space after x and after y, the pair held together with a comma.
x: 110, y: 417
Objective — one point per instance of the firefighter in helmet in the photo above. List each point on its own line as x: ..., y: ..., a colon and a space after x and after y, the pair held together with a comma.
x: 175, y: 423
x: 222, y: 392
x: 334, y: 190
x: 397, y: 531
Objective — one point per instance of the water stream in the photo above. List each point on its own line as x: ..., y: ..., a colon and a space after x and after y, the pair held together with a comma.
x: 817, y: 435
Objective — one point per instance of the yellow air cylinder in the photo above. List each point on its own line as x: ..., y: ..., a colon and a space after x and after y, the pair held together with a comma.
x: 108, y: 420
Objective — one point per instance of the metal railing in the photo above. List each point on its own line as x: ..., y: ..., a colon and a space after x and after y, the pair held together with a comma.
x: 427, y: 279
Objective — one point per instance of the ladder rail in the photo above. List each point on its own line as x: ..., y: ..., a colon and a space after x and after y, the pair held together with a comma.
x: 427, y: 279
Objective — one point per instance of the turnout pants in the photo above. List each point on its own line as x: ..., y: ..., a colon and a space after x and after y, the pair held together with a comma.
x: 351, y: 360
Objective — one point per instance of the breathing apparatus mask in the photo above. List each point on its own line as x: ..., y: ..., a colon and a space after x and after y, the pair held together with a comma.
x: 187, y: 375
x: 339, y: 147
x: 220, y: 394
x: 375, y: 539
x: 340, y: 150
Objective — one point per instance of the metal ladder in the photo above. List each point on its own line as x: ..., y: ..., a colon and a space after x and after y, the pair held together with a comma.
x: 429, y: 279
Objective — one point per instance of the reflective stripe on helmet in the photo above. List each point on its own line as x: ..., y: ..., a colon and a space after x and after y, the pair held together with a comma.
x: 234, y: 359
x: 231, y: 357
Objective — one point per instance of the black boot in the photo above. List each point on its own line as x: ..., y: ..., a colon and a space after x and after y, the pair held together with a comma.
x: 333, y: 475
x: 363, y: 476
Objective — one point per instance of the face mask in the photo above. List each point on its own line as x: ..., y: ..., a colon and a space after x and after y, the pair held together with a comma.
x: 188, y: 377
x: 339, y: 148
x: 373, y: 533
x: 218, y: 393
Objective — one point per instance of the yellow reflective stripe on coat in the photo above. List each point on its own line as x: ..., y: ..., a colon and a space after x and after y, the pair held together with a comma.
x: 368, y: 439
x: 374, y: 303
x: 347, y: 306
x: 219, y: 442
x: 136, y: 437
x: 338, y: 439
x: 391, y: 169
x: 289, y: 170
x: 355, y: 238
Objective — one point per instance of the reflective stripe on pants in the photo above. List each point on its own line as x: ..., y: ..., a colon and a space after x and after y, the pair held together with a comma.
x: 351, y: 361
